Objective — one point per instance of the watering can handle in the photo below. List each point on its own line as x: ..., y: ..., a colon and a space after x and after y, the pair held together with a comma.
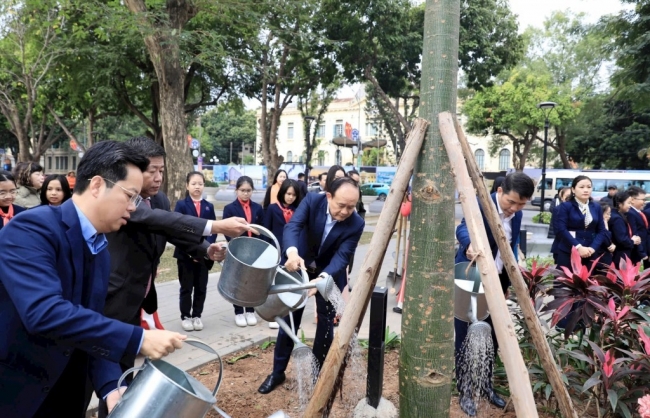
x: 126, y: 373
x: 203, y: 346
x: 269, y: 234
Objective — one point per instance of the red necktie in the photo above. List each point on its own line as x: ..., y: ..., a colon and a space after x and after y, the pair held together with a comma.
x: 247, y: 213
x: 6, y: 217
x: 146, y: 292
x: 197, y: 206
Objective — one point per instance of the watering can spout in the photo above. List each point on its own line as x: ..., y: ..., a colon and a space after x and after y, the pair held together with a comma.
x: 323, y: 286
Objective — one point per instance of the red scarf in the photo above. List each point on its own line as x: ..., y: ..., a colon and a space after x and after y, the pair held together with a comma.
x: 288, y: 213
x: 197, y: 206
x: 247, y: 212
x: 6, y: 217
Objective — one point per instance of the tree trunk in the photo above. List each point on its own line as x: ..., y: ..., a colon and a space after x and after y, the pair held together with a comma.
x: 427, y: 353
x: 165, y: 55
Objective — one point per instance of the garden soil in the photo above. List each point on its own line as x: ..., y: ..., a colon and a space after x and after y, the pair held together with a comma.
x: 238, y: 395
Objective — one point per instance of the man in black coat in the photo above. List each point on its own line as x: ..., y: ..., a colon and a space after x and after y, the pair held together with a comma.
x: 302, y: 185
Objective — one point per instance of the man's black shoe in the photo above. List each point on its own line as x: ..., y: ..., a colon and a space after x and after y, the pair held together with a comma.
x: 496, y: 400
x: 271, y: 383
x: 397, y: 309
x: 468, y: 407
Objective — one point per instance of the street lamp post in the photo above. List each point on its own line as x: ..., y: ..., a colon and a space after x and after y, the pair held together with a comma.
x: 546, y: 107
x: 308, y: 121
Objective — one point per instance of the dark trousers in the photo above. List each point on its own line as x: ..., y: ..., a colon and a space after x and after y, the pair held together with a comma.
x: 240, y: 309
x: 193, y: 277
x: 322, y: 339
x: 68, y: 398
x: 460, y: 331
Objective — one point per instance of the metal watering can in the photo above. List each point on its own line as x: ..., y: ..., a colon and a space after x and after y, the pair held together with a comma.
x: 251, y: 267
x: 281, y: 304
x: 161, y: 390
x: 470, y: 304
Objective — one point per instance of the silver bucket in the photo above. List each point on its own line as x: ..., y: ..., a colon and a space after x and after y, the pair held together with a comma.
x: 161, y: 390
x: 469, y: 296
x: 281, y: 304
x: 248, y: 271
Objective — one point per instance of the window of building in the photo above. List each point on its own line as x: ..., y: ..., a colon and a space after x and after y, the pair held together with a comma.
x: 479, y: 155
x: 371, y: 129
x: 320, y: 133
x: 289, y: 157
x: 290, y: 130
x: 504, y: 160
x: 338, y: 128
x: 49, y: 163
x: 337, y: 157
x: 321, y: 158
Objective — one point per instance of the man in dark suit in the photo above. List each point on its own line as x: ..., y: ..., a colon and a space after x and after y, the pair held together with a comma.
x: 638, y: 223
x: 611, y: 192
x: 510, y: 198
x: 137, y: 247
x: 332, y: 229
x: 302, y: 184
x: 322, y: 180
x: 55, y: 269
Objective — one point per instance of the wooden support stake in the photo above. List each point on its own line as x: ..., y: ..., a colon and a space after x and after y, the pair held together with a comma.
x: 521, y: 289
x: 518, y: 379
x: 362, y: 291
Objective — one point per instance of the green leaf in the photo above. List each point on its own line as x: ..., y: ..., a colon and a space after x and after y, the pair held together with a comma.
x: 613, y: 398
x: 626, y: 411
x: 592, y: 381
x: 547, y: 391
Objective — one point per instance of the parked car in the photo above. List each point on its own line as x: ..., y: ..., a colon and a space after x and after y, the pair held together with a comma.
x: 313, y: 186
x: 375, y: 189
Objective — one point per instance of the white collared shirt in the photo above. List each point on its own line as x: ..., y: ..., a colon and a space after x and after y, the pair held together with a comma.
x: 507, y: 227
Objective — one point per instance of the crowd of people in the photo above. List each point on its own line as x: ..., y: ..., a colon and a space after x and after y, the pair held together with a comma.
x: 90, y: 306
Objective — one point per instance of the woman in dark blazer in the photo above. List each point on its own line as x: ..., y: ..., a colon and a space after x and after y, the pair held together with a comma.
x: 193, y: 273
x: 245, y: 208
x: 278, y: 214
x: 8, y: 192
x: 620, y: 228
x: 578, y: 223
x: 604, y: 254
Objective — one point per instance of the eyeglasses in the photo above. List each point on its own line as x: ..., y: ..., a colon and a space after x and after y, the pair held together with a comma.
x: 12, y: 193
x: 134, y: 198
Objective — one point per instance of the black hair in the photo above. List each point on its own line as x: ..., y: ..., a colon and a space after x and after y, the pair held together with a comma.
x: 285, y: 187
x: 519, y: 183
x: 7, y: 176
x: 24, y: 171
x: 619, y: 198
x: 562, y: 190
x: 277, y: 173
x: 301, y: 175
x: 244, y: 179
x: 189, y: 176
x: 331, y: 176
x: 336, y: 184
x: 604, y: 205
x: 496, y: 184
x: 146, y: 146
x: 351, y: 172
x: 65, y: 187
x: 320, y: 176
x: 108, y: 159
x: 634, y: 191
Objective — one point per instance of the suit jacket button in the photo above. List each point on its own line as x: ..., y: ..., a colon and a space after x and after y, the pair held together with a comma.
x: 66, y: 353
x: 46, y: 389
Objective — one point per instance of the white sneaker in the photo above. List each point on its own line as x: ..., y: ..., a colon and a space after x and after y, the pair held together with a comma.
x: 187, y: 324
x: 274, y: 325
x: 198, y: 325
x: 240, y: 320
x: 250, y: 318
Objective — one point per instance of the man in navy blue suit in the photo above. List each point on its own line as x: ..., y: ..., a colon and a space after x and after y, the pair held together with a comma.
x: 510, y: 198
x: 639, y: 224
x: 332, y: 230
x: 53, y: 282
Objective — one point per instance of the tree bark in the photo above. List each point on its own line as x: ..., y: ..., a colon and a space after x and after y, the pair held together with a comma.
x: 521, y: 391
x: 427, y: 352
x: 164, y: 52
